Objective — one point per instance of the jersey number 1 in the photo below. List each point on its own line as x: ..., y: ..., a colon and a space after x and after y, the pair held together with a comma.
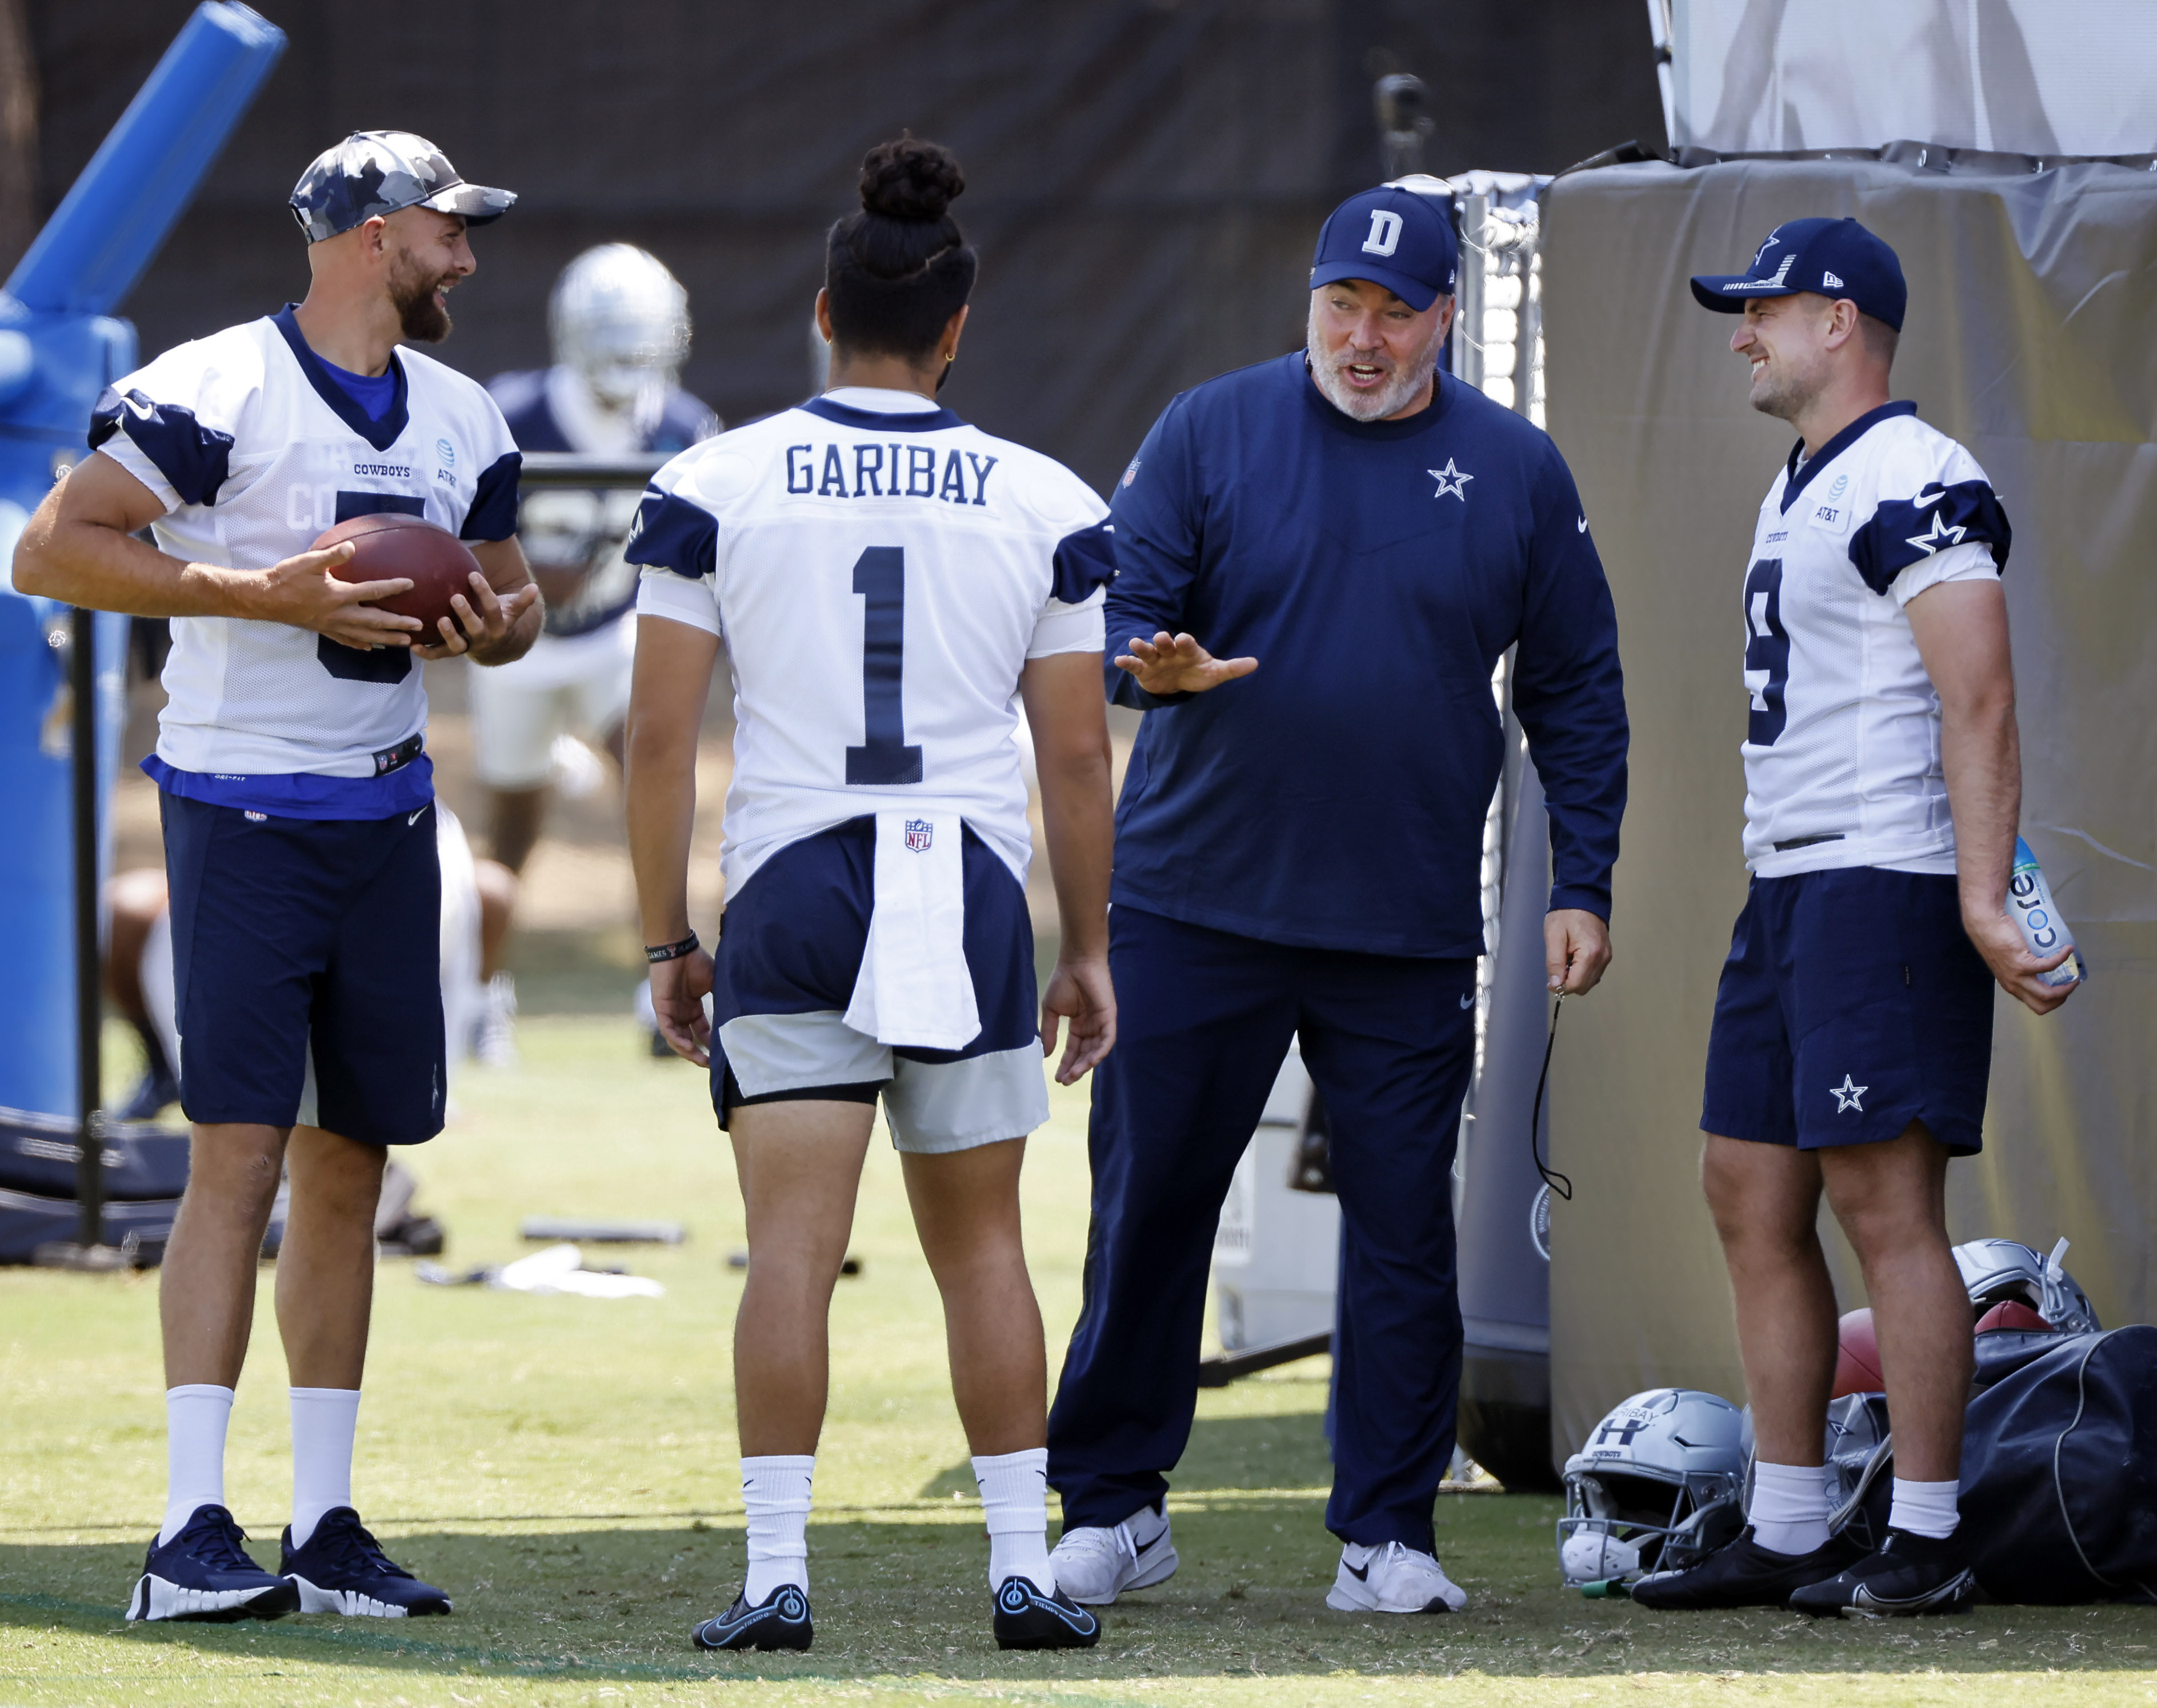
x: 883, y: 758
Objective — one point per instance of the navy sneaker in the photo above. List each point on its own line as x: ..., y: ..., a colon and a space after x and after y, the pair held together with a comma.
x: 203, y: 1573
x: 342, y: 1570
x: 1909, y: 1574
x: 1025, y: 1619
x: 780, y: 1621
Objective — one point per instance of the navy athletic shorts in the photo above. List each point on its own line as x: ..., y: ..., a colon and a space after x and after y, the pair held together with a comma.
x: 784, y: 971
x: 306, y: 959
x: 1853, y: 1003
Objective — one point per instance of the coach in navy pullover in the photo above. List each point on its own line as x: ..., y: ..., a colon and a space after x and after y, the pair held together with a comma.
x: 1315, y: 583
x: 1377, y: 571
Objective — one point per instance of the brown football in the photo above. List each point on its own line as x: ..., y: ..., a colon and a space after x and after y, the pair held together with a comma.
x: 388, y: 545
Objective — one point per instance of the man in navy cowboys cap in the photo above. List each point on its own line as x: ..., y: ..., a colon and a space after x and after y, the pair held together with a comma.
x: 297, y: 802
x: 1321, y: 560
x: 1852, y: 1038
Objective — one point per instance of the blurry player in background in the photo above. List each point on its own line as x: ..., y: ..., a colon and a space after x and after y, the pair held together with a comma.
x: 619, y: 322
x: 297, y: 801
x: 891, y: 583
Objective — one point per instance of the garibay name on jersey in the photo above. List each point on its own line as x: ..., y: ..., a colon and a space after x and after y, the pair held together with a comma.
x: 881, y: 572
x: 254, y: 450
x: 1842, y: 750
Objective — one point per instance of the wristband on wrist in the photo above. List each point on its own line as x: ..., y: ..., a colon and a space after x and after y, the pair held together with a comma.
x: 673, y: 951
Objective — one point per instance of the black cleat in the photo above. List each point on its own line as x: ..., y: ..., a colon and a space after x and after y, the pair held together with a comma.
x: 203, y: 1573
x: 1742, y: 1574
x: 780, y: 1621
x: 1910, y: 1574
x: 1025, y: 1619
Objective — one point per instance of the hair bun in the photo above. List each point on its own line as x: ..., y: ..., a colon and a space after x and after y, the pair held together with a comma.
x: 910, y: 179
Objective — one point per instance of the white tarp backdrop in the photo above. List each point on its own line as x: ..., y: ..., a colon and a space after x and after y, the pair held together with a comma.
x: 2018, y: 76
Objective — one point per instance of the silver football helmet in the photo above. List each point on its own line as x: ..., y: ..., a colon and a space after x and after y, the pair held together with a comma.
x: 1656, y: 1487
x: 621, y: 320
x: 1997, y: 1270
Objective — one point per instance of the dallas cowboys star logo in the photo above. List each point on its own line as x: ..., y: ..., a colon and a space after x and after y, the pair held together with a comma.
x: 1450, y: 481
x: 1937, y: 535
x: 1772, y: 241
x: 1846, y: 1095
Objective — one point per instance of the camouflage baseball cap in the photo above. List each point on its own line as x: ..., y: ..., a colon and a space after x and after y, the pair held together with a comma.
x: 374, y: 173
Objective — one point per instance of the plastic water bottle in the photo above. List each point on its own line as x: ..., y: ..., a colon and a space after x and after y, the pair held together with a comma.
x: 2030, y: 900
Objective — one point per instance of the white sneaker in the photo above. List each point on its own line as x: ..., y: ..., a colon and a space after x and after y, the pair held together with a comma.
x: 1094, y: 1564
x: 1394, y: 1579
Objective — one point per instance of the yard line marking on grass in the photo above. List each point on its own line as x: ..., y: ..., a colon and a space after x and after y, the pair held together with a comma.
x: 501, y: 1661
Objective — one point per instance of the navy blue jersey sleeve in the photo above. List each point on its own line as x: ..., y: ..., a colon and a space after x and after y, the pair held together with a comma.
x: 194, y: 458
x: 1569, y: 694
x: 670, y: 533
x: 493, y: 512
x: 1155, y: 510
x: 1084, y: 561
x: 1905, y: 531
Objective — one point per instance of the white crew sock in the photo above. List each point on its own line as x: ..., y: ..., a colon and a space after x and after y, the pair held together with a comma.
x: 1015, y: 1502
x: 195, y: 1417
x: 324, y: 1421
x: 775, y: 1490
x: 1925, y: 1508
x: 1789, y: 1507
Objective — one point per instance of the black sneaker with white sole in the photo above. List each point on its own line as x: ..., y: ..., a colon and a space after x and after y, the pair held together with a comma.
x: 1909, y: 1574
x: 203, y: 1573
x: 1742, y: 1574
x: 1025, y: 1619
x: 341, y: 1569
x: 780, y: 1621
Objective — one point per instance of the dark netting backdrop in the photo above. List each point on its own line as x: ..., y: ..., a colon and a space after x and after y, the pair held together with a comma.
x: 1145, y: 179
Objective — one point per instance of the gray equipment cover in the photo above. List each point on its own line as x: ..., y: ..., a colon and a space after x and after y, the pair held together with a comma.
x: 2032, y: 338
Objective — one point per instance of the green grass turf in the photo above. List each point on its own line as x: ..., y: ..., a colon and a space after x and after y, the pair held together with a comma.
x: 564, y: 1467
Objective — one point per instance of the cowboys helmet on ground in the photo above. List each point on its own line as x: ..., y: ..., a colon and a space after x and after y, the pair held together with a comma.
x: 1656, y: 1487
x: 1996, y: 1271
x: 381, y: 172
x: 621, y: 320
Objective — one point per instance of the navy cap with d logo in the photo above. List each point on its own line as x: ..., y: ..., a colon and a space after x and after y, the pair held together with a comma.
x: 1394, y: 238
x: 1833, y: 258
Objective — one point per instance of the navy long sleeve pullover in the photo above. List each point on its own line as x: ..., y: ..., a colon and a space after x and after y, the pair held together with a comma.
x: 1377, y: 571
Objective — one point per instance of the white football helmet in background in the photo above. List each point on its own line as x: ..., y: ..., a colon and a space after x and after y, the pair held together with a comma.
x: 1656, y: 1487
x: 1999, y: 1270
x: 621, y: 321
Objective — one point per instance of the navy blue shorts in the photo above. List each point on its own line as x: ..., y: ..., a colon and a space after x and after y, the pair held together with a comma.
x: 307, y: 960
x: 784, y: 971
x: 1852, y: 1004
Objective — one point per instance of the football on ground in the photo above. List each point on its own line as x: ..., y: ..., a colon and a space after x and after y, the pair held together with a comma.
x: 388, y: 545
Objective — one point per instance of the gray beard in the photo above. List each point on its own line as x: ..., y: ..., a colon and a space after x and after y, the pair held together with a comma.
x: 1390, y: 398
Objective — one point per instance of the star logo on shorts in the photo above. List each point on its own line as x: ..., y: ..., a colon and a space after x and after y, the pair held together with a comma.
x: 1450, y: 481
x: 1846, y: 1096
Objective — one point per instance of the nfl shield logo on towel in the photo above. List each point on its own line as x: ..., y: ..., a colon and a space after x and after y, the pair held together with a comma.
x: 918, y: 833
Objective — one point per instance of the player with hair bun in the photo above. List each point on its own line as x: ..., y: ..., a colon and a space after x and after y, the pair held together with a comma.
x: 891, y: 584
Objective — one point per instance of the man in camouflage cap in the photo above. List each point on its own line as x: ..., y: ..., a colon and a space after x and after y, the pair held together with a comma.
x: 374, y: 173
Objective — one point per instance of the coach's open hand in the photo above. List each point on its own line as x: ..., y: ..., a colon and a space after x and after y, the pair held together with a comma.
x: 302, y: 592
x: 1078, y: 990
x: 486, y: 628
x: 1177, y: 664
x: 1576, y: 950
x: 678, y: 989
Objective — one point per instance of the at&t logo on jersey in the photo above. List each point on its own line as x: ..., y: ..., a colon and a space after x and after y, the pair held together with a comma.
x: 919, y: 834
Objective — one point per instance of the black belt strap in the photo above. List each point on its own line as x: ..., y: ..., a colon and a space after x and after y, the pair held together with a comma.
x: 398, y: 758
x: 1808, y: 841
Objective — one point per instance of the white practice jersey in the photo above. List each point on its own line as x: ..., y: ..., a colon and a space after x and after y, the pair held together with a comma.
x: 253, y: 451
x: 881, y: 572
x: 1842, y: 753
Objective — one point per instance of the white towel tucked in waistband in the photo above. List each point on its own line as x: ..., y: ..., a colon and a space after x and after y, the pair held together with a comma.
x: 914, y: 989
